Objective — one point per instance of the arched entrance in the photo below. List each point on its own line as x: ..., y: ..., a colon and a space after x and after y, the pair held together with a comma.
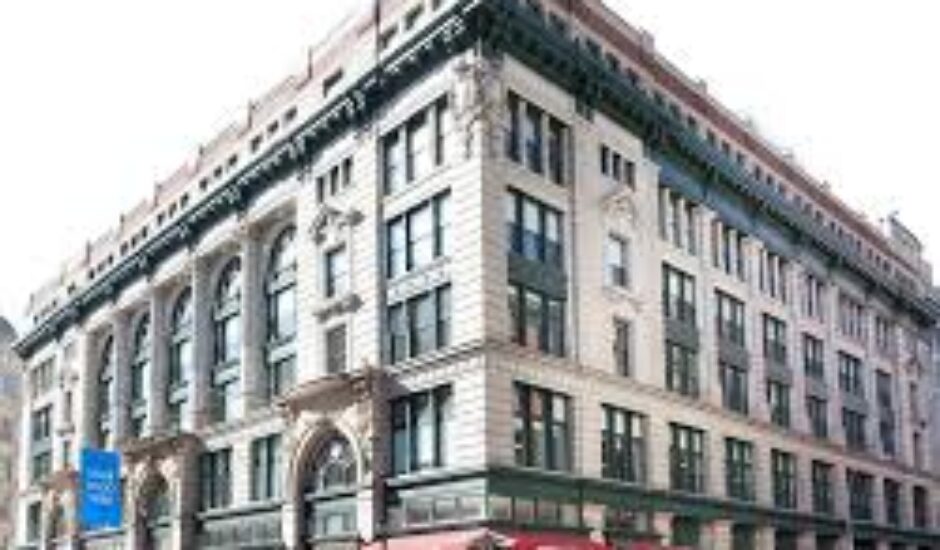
x: 328, y: 492
x: 155, y: 520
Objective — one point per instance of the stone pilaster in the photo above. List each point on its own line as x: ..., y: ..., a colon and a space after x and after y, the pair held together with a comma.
x: 120, y: 406
x: 253, y: 319
x: 717, y: 535
x: 203, y: 304
x: 159, y: 357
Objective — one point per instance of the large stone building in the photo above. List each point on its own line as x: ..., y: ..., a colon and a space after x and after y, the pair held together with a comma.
x: 10, y: 406
x: 488, y: 272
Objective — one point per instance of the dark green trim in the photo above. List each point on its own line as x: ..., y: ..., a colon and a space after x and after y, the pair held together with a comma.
x: 515, y: 30
x: 496, y: 26
x: 453, y: 31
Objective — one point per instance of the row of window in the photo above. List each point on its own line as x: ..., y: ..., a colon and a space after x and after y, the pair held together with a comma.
x: 544, y: 435
x: 761, y: 174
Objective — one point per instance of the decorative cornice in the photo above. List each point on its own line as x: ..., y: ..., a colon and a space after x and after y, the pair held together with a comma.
x: 497, y: 25
x: 450, y: 33
x: 512, y: 28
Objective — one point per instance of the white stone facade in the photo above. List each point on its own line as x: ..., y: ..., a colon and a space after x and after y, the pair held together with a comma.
x: 473, y: 463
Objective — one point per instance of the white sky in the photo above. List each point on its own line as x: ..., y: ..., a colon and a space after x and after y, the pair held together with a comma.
x: 100, y: 99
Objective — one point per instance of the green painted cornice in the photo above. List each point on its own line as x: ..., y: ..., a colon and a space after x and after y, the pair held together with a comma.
x: 495, y: 26
x: 452, y: 31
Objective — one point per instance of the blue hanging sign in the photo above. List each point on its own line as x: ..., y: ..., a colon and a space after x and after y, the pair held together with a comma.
x: 100, y: 489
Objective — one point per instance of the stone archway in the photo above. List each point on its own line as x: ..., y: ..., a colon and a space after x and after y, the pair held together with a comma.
x: 154, y: 513
x: 326, y: 478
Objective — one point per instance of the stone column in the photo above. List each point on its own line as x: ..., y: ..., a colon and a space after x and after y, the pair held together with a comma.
x: 717, y: 535
x: 120, y: 406
x: 87, y: 403
x: 806, y: 540
x: 202, y: 343
x: 253, y: 321
x: 159, y: 343
x: 765, y: 536
x: 662, y: 525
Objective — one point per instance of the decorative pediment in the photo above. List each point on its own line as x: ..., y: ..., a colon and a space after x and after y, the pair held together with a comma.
x: 330, y: 221
x: 333, y: 392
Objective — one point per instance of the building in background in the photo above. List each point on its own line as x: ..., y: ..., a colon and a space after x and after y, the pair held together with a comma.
x: 487, y: 270
x: 10, y: 406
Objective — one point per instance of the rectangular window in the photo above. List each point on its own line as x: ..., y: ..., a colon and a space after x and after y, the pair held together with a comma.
x: 921, y: 507
x: 336, y: 272
x: 851, y: 375
x: 730, y: 319
x: 728, y: 253
x: 682, y: 374
x: 823, y: 500
x: 421, y: 430
x: 739, y: 469
x: 734, y: 388
x: 411, y: 151
x: 623, y: 445
x: 892, y: 501
x: 623, y: 346
x: 778, y: 401
x: 266, y: 468
x: 618, y: 273
x: 534, y: 230
x: 336, y: 349
x: 814, y: 290
x: 817, y: 411
x: 215, y: 479
x: 532, y: 138
x: 539, y: 320
x: 853, y: 425
x: 543, y: 428
x: 859, y: 485
x: 514, y: 137
x: 851, y: 318
x: 617, y: 167
x: 887, y: 430
x: 678, y: 222
x: 678, y: 295
x: 687, y: 459
x: 34, y: 522
x: 418, y: 237
x: 783, y: 466
x: 419, y: 324
x: 813, y: 361
x: 556, y: 151
x: 774, y: 272
x: 885, y: 338
x: 775, y: 340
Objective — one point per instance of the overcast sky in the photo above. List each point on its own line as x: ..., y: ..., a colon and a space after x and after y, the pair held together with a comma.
x: 100, y: 99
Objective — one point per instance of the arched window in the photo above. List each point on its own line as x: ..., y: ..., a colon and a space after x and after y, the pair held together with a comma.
x: 334, y: 468
x: 330, y: 498
x: 105, y: 391
x: 227, y: 313
x: 140, y: 368
x: 157, y: 520
x: 280, y: 295
x: 181, y: 357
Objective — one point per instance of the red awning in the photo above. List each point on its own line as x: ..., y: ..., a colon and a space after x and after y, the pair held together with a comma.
x: 486, y: 539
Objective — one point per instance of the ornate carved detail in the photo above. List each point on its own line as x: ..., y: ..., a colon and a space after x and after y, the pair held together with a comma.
x: 345, y: 304
x: 330, y: 220
x: 345, y: 389
x: 619, y: 204
x: 474, y: 102
x: 159, y: 446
